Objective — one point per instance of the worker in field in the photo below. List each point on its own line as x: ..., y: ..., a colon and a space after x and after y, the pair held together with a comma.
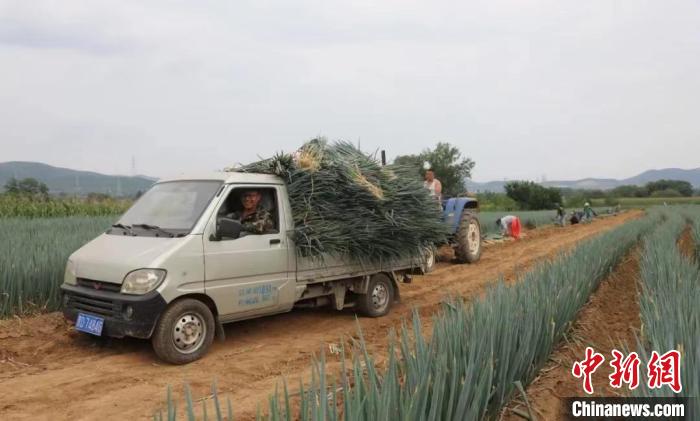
x: 433, y: 185
x: 576, y: 217
x: 588, y: 212
x: 561, y: 214
x: 509, y: 225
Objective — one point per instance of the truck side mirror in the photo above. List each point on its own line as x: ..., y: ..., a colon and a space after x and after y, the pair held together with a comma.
x: 227, y: 228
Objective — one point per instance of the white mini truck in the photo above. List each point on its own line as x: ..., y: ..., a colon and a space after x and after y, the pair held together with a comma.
x: 175, y: 267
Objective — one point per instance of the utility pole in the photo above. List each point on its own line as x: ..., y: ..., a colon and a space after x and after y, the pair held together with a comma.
x: 119, y: 186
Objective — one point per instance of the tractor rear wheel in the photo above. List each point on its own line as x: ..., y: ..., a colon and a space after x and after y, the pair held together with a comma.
x: 468, y: 237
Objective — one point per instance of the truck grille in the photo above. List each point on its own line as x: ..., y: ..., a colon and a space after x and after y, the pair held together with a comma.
x: 95, y: 303
x: 99, y: 285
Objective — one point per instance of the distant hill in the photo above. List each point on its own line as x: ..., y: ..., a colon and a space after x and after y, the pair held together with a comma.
x: 692, y: 176
x: 67, y: 181
x: 73, y: 182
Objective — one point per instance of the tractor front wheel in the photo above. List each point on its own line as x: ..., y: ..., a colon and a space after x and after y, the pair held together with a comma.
x: 468, y: 238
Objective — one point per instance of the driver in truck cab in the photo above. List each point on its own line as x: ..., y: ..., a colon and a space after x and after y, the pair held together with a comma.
x: 254, y: 218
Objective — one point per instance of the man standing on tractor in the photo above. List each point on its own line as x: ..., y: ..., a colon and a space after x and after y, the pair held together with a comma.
x: 433, y: 185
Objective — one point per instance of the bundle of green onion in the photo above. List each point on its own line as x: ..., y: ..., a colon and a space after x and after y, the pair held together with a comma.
x: 345, y: 202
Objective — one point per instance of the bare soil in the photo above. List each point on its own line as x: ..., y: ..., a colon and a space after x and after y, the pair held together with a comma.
x: 608, y: 321
x: 47, y: 371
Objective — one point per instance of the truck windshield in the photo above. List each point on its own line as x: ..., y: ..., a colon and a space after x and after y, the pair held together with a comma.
x: 172, y: 207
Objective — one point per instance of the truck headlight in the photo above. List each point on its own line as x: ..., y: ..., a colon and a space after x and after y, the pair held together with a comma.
x: 69, y: 276
x: 141, y: 281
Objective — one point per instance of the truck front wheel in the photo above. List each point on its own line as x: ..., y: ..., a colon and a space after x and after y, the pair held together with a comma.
x: 184, y: 332
x: 379, y: 297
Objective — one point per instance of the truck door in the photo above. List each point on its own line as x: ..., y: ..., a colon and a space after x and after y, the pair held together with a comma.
x: 250, y: 274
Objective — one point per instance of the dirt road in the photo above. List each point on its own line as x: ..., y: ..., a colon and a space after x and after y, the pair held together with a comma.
x: 49, y: 372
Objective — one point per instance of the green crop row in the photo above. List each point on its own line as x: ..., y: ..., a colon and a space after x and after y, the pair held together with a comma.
x: 670, y: 305
x: 13, y: 206
x: 696, y: 235
x: 478, y: 355
x: 646, y: 202
x: 33, y: 254
x: 529, y: 219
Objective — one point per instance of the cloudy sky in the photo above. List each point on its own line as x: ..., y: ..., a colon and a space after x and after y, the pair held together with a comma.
x: 562, y: 89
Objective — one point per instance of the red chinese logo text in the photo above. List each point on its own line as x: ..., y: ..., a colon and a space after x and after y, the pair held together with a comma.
x: 625, y: 370
x: 662, y: 370
x: 665, y: 370
x: 587, y: 367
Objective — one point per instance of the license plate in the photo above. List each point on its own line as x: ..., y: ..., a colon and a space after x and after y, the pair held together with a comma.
x: 89, y: 324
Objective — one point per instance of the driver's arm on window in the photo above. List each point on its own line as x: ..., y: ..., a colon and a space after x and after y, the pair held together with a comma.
x: 262, y: 224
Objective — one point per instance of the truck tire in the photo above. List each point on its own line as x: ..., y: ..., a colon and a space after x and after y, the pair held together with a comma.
x: 429, y: 259
x: 468, y: 248
x: 184, y: 332
x: 379, y: 297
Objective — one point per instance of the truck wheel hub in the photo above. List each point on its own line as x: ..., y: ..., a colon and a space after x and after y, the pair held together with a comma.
x: 380, y: 296
x: 189, y: 333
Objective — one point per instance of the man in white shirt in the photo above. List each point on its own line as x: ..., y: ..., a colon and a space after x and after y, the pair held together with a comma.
x: 433, y: 185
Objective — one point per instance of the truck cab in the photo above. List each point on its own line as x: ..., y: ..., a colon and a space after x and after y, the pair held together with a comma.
x: 178, y: 263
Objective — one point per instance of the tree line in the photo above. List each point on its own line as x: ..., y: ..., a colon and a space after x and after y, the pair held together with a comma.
x: 31, y: 188
x: 452, y: 169
x: 660, y: 188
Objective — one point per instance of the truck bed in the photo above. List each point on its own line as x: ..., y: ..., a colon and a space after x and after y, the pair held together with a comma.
x: 334, y: 267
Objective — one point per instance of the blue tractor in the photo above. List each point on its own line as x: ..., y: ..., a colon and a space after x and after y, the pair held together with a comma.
x: 461, y: 215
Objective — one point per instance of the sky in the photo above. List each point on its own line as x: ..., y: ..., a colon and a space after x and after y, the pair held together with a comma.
x: 528, y: 89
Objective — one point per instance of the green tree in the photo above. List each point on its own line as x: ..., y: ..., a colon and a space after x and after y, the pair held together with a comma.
x: 27, y: 186
x: 447, y: 163
x: 12, y: 186
x: 630, y: 190
x: 680, y: 186
x: 532, y: 196
x: 490, y: 201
